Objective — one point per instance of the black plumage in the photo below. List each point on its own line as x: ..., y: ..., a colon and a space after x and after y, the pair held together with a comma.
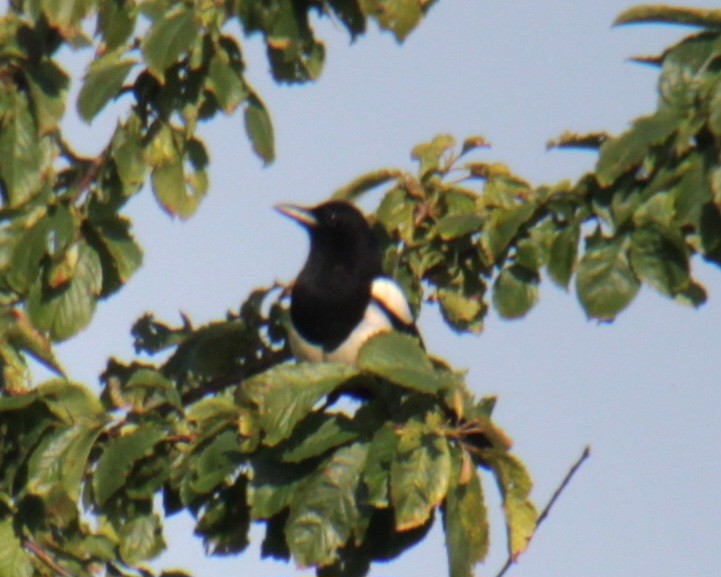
x: 341, y: 298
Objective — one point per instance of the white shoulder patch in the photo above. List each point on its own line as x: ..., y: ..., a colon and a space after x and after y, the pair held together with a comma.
x: 387, y: 292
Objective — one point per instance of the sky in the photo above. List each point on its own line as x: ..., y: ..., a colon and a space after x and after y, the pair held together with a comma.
x: 643, y: 392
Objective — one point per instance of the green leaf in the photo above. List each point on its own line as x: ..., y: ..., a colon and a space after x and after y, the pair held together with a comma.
x: 168, y: 38
x: 503, y: 225
x: 669, y: 14
x: 420, y: 475
x: 13, y: 558
x: 259, y: 128
x: 103, y: 82
x: 324, y: 512
x: 626, y: 152
x: 286, y: 393
x: 119, y: 457
x: 463, y: 312
x: 605, y: 282
x: 21, y: 168
x: 48, y: 85
x: 398, y: 16
x: 399, y: 359
x: 225, y: 81
x: 129, y: 154
x: 563, y: 254
x: 116, y: 22
x: 660, y: 259
x: 685, y: 72
x: 273, y: 485
x: 64, y: 311
x: 515, y: 291
x: 515, y: 486
x: 456, y: 225
x: 362, y: 184
x: 465, y: 522
x: 66, y: 15
x: 430, y: 154
x: 214, y: 462
x: 120, y: 255
x: 24, y: 336
x: 59, y: 462
x: 141, y: 539
x: 71, y: 402
x: 318, y: 433
x: 169, y: 183
x: 377, y: 472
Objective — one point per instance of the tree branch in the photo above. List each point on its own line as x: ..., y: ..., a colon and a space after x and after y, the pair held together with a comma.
x: 45, y: 559
x: 556, y: 494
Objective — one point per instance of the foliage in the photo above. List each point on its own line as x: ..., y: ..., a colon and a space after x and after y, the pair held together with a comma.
x: 342, y: 465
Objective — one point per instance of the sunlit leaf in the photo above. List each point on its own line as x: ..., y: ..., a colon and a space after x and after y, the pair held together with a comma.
x: 141, y: 539
x: 168, y: 38
x: 13, y: 558
x: 515, y: 291
x: 102, y: 83
x: 420, y: 475
x: 286, y: 393
x: 605, y: 281
x: 323, y: 512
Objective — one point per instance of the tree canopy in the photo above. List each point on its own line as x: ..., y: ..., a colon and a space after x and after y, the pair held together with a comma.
x: 222, y: 425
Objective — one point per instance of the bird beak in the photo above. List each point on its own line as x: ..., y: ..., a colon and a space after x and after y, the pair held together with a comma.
x: 297, y: 213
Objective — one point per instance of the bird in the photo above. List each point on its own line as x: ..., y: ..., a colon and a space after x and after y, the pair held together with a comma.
x: 341, y: 297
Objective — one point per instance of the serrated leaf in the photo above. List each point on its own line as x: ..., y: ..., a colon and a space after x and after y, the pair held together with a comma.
x: 669, y: 14
x: 660, y: 259
x: 13, y: 558
x: 141, y: 539
x: 65, y: 311
x: 515, y: 486
x: 626, y: 152
x: 605, y: 282
x: 563, y: 253
x: 515, y: 291
x: 420, y: 475
x: 59, y: 462
x: 103, y: 82
x: 324, y: 512
x: 259, y: 129
x: 119, y: 457
x: 168, y: 38
x: 399, y: 359
x: 285, y: 394
x: 465, y: 520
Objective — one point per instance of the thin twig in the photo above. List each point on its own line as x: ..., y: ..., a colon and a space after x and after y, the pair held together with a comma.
x: 45, y: 559
x: 556, y: 494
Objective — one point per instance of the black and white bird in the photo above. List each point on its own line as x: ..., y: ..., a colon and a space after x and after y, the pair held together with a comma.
x: 341, y: 297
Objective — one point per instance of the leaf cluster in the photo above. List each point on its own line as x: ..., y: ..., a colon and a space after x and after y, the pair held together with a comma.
x: 342, y: 465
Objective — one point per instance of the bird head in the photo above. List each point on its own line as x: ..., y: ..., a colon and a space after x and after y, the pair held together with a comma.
x: 337, y: 229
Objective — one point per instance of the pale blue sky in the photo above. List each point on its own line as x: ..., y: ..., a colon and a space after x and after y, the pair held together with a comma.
x: 643, y: 392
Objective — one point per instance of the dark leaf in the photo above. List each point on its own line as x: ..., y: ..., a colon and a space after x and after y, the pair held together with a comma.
x: 259, y: 128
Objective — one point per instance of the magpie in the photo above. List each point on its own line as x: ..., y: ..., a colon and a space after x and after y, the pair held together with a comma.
x: 341, y: 298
